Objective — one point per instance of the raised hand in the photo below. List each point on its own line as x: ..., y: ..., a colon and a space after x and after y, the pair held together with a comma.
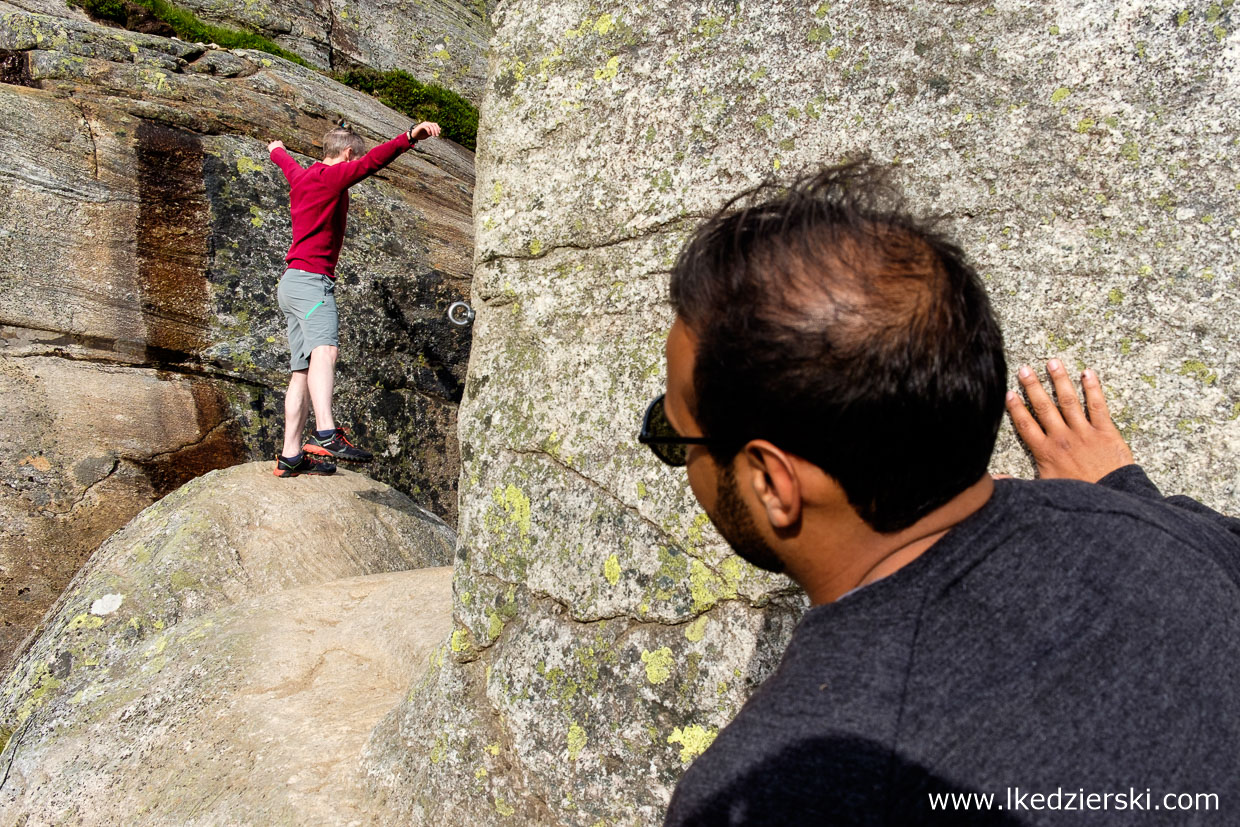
x: 1067, y: 441
x: 426, y: 129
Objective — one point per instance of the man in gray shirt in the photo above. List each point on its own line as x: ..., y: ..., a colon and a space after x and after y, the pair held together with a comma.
x: 978, y: 650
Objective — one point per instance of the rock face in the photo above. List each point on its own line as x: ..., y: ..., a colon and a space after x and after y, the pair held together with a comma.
x: 437, y: 41
x: 224, y: 656
x: 142, y: 234
x: 1082, y: 154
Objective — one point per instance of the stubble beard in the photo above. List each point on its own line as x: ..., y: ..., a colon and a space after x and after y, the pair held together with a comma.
x: 734, y: 522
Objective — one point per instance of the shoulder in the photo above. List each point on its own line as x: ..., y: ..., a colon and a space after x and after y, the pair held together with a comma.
x: 1111, y: 517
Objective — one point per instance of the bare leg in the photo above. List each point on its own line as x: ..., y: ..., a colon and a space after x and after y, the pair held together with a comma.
x: 296, y: 408
x: 322, y: 381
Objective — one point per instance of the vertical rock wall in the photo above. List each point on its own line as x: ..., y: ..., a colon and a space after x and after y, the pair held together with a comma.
x: 1083, y: 154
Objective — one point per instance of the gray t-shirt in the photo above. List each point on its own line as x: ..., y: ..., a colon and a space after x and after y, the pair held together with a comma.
x: 1078, y: 642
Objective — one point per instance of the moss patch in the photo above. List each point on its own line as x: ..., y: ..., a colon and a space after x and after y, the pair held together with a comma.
x: 403, y: 92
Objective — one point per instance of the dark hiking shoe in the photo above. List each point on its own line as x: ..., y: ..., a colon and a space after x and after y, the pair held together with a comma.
x: 308, y: 464
x: 338, y: 446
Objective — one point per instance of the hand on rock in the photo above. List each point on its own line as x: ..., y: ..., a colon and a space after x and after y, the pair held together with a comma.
x: 1065, y: 441
x: 274, y: 145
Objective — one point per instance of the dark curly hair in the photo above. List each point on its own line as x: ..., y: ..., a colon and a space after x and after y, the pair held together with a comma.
x: 835, y: 325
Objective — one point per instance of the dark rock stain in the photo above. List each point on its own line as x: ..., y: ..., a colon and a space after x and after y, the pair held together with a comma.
x: 172, y: 244
x: 219, y: 447
x: 15, y: 69
x: 172, y: 238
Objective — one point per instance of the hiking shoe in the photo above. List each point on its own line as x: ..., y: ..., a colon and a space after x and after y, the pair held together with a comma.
x: 308, y: 464
x: 338, y: 446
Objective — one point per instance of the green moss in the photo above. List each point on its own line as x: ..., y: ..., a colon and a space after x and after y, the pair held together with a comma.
x: 695, y: 532
x: 182, y: 580
x: 420, y: 101
x: 611, y: 570
x: 516, y: 505
x: 1060, y: 93
x: 84, y: 621
x: 693, y: 741
x: 707, y: 589
x: 1059, y: 343
x: 819, y: 34
x: 42, y: 684
x: 709, y: 27
x: 576, y: 741
x: 658, y: 665
x: 697, y: 629
x: 1199, y: 370
x: 609, y: 71
x: 245, y: 164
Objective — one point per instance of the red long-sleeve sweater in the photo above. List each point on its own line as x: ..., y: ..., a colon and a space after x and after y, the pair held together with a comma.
x: 319, y: 202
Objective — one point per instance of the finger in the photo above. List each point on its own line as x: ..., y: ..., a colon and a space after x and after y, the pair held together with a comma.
x: 1026, y: 426
x: 1095, y: 400
x: 1043, y: 406
x: 1069, y: 405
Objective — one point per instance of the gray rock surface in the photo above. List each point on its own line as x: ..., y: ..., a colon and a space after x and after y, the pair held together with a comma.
x: 1083, y: 154
x: 223, y: 658
x: 142, y: 235
x: 437, y: 41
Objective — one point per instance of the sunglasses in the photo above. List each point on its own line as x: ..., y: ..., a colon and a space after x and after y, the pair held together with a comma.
x: 659, y: 435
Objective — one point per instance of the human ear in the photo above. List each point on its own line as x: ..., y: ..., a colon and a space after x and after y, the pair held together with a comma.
x: 772, y: 475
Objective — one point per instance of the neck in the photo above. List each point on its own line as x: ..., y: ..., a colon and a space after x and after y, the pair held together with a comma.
x: 331, y: 162
x: 850, y: 554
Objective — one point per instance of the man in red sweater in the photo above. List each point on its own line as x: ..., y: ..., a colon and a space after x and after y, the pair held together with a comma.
x: 319, y: 202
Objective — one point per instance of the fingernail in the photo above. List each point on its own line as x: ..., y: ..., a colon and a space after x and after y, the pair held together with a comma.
x: 1053, y: 364
x: 1024, y: 372
x: 1011, y: 396
x: 1089, y: 376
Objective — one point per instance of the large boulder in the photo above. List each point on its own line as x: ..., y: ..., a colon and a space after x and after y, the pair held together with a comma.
x: 1083, y: 154
x: 142, y: 234
x: 225, y: 655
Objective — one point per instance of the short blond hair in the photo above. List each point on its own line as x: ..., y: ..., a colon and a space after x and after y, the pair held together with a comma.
x: 336, y: 141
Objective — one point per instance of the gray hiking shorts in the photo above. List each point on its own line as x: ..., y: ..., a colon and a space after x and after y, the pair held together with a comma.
x: 309, y: 303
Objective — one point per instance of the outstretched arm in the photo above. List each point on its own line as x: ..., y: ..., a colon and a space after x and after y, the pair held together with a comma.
x: 1071, y: 442
x: 281, y: 158
x: 348, y: 173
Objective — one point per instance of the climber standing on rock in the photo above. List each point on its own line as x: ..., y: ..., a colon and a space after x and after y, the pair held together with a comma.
x: 319, y: 203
